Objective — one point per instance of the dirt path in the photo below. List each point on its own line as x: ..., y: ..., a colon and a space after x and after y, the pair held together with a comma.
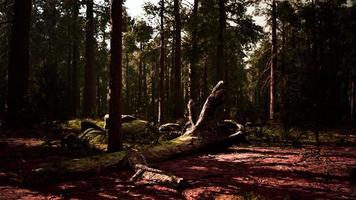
x: 236, y: 173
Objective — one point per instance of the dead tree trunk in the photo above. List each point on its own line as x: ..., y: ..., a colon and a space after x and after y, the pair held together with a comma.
x: 207, y: 131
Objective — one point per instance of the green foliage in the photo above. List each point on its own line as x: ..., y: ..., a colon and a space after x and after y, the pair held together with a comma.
x: 313, y: 79
x: 315, y: 59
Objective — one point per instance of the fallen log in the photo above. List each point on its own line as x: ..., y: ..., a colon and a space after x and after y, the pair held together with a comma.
x: 91, y: 134
x: 208, y: 130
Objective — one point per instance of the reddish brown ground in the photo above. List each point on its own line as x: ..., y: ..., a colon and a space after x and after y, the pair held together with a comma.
x: 235, y: 173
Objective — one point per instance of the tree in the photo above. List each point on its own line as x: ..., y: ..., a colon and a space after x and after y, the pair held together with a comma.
x: 161, y: 98
x: 130, y: 48
x: 89, y: 96
x: 274, y: 62
x: 220, y: 68
x: 74, y: 88
x: 114, y: 132
x: 143, y: 34
x: 5, y: 16
x: 193, y: 81
x: 313, y: 72
x: 19, y: 62
x: 177, y: 69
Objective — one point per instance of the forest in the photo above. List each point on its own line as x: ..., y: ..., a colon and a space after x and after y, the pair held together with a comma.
x: 188, y: 99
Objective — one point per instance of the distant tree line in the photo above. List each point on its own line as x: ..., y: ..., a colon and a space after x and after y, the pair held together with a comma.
x: 299, y: 69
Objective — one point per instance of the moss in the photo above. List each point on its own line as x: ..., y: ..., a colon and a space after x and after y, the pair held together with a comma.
x: 87, y: 164
x: 94, y: 163
x: 136, y: 132
x: 167, y: 147
x: 135, y: 126
x: 99, y: 122
x: 74, y: 124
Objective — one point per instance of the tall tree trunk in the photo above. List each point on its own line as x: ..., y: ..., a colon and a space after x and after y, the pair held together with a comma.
x: 193, y: 83
x: 205, y: 79
x: 315, y: 74
x: 114, y: 132
x: 144, y: 88
x: 154, y: 97
x: 352, y: 97
x: 274, y: 62
x: 75, y: 98
x: 220, y: 69
x: 177, y: 91
x: 89, y: 95
x: 161, y: 98
x: 170, y: 80
x: 140, y: 81
x: 69, y: 73
x: 128, y: 101
x: 19, y: 62
x: 283, y: 80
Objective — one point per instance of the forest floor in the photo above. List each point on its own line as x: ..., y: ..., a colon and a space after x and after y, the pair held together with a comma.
x: 239, y: 172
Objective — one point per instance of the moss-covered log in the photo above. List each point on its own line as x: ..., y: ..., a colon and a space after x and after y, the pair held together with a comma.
x: 208, y: 130
x: 136, y: 131
x: 92, y: 132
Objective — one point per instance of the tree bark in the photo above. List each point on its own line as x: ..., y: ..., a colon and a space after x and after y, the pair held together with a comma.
x: 154, y: 84
x: 193, y: 83
x: 352, y: 94
x: 283, y: 80
x: 204, y: 87
x: 89, y: 95
x: 114, y: 132
x: 177, y: 91
x: 69, y: 72
x: 220, y: 68
x: 161, y: 98
x: 19, y: 63
x: 139, y: 106
x: 75, y: 98
x: 274, y: 62
x: 128, y: 101
x: 144, y: 88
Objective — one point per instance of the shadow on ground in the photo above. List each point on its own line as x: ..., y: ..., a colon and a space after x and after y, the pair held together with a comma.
x: 267, y: 172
